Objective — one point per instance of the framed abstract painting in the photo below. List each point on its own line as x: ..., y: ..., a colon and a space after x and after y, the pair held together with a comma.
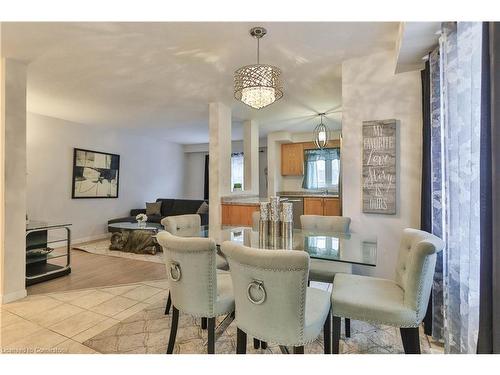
x: 95, y: 174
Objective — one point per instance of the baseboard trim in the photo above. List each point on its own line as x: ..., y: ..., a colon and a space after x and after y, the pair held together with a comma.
x: 95, y: 237
x: 77, y: 241
x: 11, y: 297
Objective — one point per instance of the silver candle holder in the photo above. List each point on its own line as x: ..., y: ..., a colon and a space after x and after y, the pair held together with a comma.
x: 276, y: 224
x: 286, y: 223
x: 264, y: 224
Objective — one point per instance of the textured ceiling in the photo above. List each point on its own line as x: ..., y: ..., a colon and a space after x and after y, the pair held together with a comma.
x: 159, y: 77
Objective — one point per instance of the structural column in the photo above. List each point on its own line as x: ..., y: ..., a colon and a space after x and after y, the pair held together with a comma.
x: 251, y: 156
x: 219, y: 148
x: 274, y: 141
x: 13, y: 180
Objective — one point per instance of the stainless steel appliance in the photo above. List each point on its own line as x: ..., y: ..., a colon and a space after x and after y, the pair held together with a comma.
x: 298, y: 208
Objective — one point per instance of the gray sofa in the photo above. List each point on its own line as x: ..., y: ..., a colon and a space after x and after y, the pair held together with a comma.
x: 169, y: 207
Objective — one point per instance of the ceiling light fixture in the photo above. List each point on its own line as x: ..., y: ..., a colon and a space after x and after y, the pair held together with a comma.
x: 321, y: 134
x: 258, y: 85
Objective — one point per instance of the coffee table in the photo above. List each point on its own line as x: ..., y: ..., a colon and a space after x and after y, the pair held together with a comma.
x: 134, y: 238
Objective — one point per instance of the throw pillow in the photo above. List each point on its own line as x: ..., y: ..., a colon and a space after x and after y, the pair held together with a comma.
x: 153, y: 208
x: 203, y: 208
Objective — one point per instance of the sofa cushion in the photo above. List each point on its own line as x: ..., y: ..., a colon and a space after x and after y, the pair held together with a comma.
x: 185, y: 206
x: 166, y: 206
x: 153, y: 208
x: 203, y: 209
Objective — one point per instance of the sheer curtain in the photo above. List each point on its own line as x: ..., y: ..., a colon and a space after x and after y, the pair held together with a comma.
x: 321, y: 169
x: 436, y: 162
x: 460, y: 46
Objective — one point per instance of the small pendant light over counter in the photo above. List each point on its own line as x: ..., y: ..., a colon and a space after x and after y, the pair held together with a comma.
x: 321, y: 134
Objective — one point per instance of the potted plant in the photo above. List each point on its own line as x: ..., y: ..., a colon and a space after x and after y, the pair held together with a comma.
x: 237, y: 186
x: 141, y: 220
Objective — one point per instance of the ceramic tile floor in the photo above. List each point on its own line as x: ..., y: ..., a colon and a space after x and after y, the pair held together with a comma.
x: 130, y: 319
x: 61, y: 322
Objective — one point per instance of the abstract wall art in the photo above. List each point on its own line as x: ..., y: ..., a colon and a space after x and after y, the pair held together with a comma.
x: 95, y: 174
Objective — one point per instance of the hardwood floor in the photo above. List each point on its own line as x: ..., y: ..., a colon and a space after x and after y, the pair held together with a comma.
x: 91, y: 270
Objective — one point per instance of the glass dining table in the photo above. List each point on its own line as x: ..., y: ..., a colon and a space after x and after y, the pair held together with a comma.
x: 353, y: 248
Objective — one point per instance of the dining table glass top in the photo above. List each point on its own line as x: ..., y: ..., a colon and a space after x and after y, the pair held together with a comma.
x: 353, y: 248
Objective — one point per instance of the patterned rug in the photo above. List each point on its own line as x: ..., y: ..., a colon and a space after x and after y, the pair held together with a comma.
x: 148, y: 332
x: 102, y: 248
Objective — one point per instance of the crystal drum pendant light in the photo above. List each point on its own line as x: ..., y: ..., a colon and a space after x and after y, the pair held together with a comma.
x: 258, y: 85
x: 321, y: 134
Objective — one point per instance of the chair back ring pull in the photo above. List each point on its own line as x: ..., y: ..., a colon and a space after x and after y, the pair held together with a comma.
x: 260, y: 286
x: 175, y: 266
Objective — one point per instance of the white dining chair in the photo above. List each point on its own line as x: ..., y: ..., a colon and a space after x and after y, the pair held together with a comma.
x: 401, y: 303
x: 273, y: 302
x: 183, y: 225
x: 188, y: 226
x: 325, y: 270
x: 195, y: 286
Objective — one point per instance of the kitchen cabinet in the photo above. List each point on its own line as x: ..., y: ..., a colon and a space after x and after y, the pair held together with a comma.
x: 238, y: 214
x: 292, y: 159
x: 292, y: 156
x: 332, y: 207
x: 313, y: 206
x: 322, y: 206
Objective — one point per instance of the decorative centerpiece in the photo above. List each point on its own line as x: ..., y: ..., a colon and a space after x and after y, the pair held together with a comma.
x: 141, y: 220
x: 276, y: 223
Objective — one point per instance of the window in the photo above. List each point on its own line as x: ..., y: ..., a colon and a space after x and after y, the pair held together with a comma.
x: 322, y: 169
x: 237, y: 170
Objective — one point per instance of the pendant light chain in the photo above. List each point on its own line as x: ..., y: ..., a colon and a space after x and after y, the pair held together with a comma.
x: 258, y: 51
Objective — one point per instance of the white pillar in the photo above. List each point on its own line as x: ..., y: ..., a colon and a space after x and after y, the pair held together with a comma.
x: 251, y: 156
x: 13, y: 180
x: 274, y: 141
x: 219, y: 148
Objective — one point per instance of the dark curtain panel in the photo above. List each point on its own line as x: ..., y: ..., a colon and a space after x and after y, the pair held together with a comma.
x: 489, y: 303
x: 205, y: 188
x: 426, y: 194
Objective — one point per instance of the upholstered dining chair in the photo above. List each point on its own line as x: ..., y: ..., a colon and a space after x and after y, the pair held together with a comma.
x: 324, y: 270
x: 401, y: 303
x: 196, y: 288
x: 188, y: 226
x: 273, y: 302
x: 183, y: 225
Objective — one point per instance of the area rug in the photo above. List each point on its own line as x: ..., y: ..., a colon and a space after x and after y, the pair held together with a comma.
x: 148, y: 332
x: 102, y: 248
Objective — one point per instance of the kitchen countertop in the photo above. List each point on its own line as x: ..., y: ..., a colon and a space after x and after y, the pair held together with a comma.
x: 254, y: 200
x: 243, y: 200
x: 305, y: 194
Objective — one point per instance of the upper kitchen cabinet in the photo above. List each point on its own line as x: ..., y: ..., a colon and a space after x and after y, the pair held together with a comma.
x: 292, y: 159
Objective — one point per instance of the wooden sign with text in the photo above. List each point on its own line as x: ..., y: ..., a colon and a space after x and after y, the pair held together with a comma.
x: 379, y: 167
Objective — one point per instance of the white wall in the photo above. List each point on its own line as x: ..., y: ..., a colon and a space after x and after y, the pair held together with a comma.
x: 371, y: 91
x: 149, y: 169
x: 12, y: 180
x: 194, y: 177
